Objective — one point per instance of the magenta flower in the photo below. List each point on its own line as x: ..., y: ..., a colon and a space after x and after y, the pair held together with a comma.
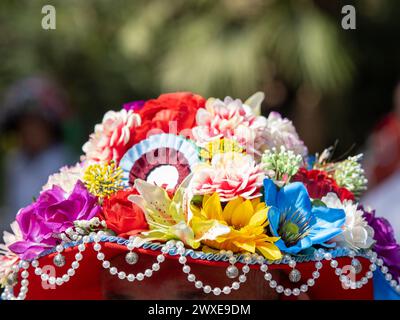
x: 52, y: 213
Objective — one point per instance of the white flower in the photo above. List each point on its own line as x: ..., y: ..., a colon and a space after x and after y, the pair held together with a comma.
x: 357, y: 234
x: 66, y: 178
x: 7, y: 257
x: 281, y: 132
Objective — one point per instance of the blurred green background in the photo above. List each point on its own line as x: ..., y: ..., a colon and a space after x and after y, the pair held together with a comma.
x: 333, y: 83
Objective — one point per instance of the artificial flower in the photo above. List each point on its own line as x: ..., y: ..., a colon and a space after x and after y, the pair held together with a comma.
x: 103, y: 180
x: 7, y: 257
x: 52, y: 213
x: 218, y: 146
x: 122, y: 216
x: 169, y: 113
x: 281, y: 132
x: 386, y: 245
x: 280, y: 165
x: 168, y: 217
x: 66, y: 178
x: 299, y: 224
x: 230, y: 119
x: 350, y: 175
x: 231, y: 175
x: 357, y: 234
x: 246, y: 219
x: 113, y: 137
x: 134, y: 105
x: 319, y: 184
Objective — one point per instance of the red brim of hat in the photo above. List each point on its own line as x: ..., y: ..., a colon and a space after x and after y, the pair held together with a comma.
x: 86, y: 283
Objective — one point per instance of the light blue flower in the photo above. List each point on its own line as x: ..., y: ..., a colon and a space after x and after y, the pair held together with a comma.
x: 293, y: 218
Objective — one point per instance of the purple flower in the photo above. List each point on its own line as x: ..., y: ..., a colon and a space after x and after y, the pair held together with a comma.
x: 52, y: 213
x: 386, y: 246
x: 134, y: 105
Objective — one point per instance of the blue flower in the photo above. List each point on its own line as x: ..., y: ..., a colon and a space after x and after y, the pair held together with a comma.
x: 293, y: 218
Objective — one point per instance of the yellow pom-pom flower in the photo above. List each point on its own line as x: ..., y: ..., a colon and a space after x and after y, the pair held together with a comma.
x: 218, y: 146
x: 103, y: 180
x: 247, y: 220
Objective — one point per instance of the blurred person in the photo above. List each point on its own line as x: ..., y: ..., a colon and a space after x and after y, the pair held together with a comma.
x: 32, y: 115
x: 382, y: 164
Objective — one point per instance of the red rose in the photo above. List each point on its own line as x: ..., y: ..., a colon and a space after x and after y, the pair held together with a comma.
x: 319, y: 184
x: 122, y: 216
x: 157, y: 114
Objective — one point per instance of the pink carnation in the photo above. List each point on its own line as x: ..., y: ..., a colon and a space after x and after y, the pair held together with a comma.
x: 230, y: 119
x: 113, y: 137
x: 231, y: 175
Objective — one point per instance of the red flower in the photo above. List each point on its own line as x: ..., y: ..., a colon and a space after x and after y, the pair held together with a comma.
x: 157, y: 114
x: 122, y: 216
x: 319, y: 184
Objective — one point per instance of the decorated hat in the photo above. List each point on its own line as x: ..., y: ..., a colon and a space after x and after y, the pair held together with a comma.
x: 181, y: 197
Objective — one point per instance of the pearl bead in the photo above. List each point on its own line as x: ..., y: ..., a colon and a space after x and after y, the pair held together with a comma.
x: 131, y: 277
x: 65, y: 278
x: 295, y: 275
x: 100, y: 256
x: 315, y: 274
x: 235, y: 285
x: 131, y: 258
x: 44, y: 277
x: 260, y: 259
x: 113, y: 270
x: 75, y: 265
x: 198, y: 284
x: 384, y: 269
x: 379, y: 262
x: 81, y: 247
x: 24, y: 274
x: 227, y: 290
x: 393, y: 283
x: 182, y: 260
x: 369, y: 275
x: 246, y: 269
x: 287, y: 292
x: 86, y: 239
x: 130, y: 246
x: 24, y: 264
x: 59, y: 248
x: 78, y: 257
x: 148, y: 273
x: 160, y: 258
x: 334, y: 263
x: 59, y: 281
x: 121, y: 275
x: 303, y: 288
x: 279, y: 289
x: 296, y: 291
x: 338, y: 271
x: 247, y: 260
x: 38, y: 271
x: 398, y: 288
x: 35, y: 263
x: 71, y: 272
x: 356, y: 264
x: 155, y: 267
x: 310, y: 282
x: 24, y: 283
x: 59, y: 260
x: 327, y: 256
x: 242, y: 278
x: 272, y: 283
x: 268, y: 276
x: 229, y: 253
x: 181, y: 251
x: 388, y: 277
x: 263, y: 267
x: 207, y: 289
x: 186, y: 269
x: 191, y: 277
x: 217, y: 291
x: 106, y: 264
x: 140, y: 276
x: 292, y: 263
x: 97, y: 247
x: 372, y: 267
x: 232, y: 272
x: 232, y: 260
